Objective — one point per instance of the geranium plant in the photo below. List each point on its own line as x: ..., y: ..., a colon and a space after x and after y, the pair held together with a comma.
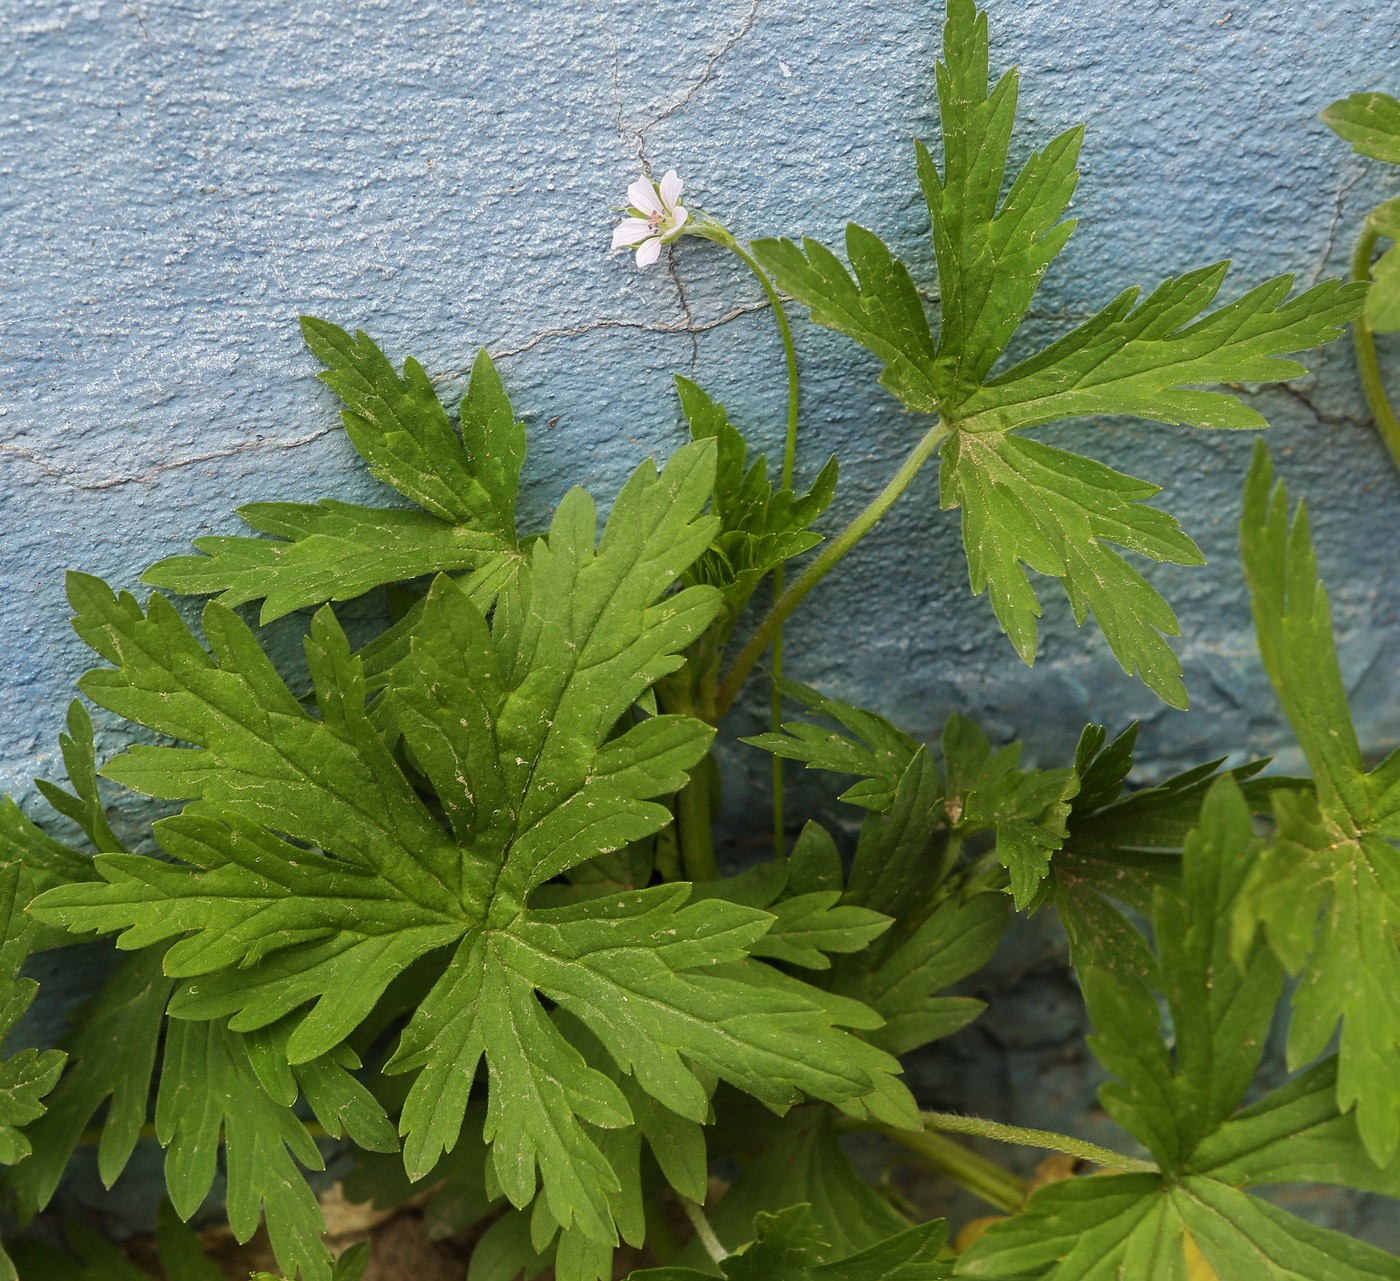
x: 453, y: 898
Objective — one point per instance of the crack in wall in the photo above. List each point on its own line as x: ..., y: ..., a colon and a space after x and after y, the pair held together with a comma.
x: 1332, y: 228
x: 1327, y: 419
x: 112, y: 482
x: 715, y: 59
x: 687, y: 326
x: 685, y: 307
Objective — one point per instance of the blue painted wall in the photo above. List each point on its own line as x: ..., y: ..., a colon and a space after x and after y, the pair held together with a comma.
x: 177, y: 182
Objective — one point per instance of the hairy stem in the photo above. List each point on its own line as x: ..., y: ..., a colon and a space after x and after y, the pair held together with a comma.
x: 703, y: 1230
x: 1048, y: 1139
x: 817, y: 570
x: 1367, y: 365
x: 789, y: 451
x: 983, y: 1178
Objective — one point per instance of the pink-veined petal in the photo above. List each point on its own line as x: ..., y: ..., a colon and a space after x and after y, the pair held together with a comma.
x: 642, y: 195
x: 630, y: 231
x: 682, y: 216
x: 649, y: 251
x: 670, y: 190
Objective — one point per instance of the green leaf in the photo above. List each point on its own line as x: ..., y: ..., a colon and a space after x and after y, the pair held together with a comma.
x: 111, y: 1055
x: 880, y: 307
x: 98, y: 1259
x: 312, y: 868
x: 810, y: 925
x: 1146, y: 359
x: 208, y: 1090
x: 807, y: 1164
x: 1025, y: 504
x: 892, y: 866
x: 903, y: 985
x: 1179, y: 1101
x: 25, y: 1077
x: 990, y: 260
x: 1383, y: 300
x: 877, y: 751
x: 1296, y: 1135
x: 458, y: 1195
x: 79, y: 759
x: 505, y: 1252
x: 1370, y: 122
x: 182, y: 1258
x: 1331, y: 858
x: 786, y: 1248
x: 759, y: 529
x: 48, y: 863
x: 1027, y: 809
x: 1055, y: 512
x: 352, y: 1265
x: 1121, y: 847
x: 337, y: 551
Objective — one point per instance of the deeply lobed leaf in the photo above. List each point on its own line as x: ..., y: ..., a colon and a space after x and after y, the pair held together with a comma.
x: 1179, y: 1101
x: 1026, y: 505
x: 1328, y: 889
x: 333, y: 551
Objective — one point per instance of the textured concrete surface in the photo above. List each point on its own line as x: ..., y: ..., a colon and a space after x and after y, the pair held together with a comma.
x: 177, y: 182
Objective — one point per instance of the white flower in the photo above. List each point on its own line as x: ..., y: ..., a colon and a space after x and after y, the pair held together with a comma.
x: 657, y: 217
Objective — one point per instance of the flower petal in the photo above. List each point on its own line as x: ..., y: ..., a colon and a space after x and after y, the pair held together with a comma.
x: 630, y: 231
x: 642, y: 195
x: 670, y: 190
x: 682, y: 217
x: 649, y: 252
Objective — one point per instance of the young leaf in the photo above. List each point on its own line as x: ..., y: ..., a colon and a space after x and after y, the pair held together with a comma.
x: 337, y: 551
x: 1330, y: 857
x: 877, y: 751
x: 759, y: 529
x: 1024, y: 503
x: 1179, y: 1103
x: 1026, y: 809
x: 1370, y: 122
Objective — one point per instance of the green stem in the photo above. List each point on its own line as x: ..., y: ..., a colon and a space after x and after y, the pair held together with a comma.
x: 979, y: 1176
x: 817, y: 570
x: 1367, y: 365
x: 703, y: 1230
x: 1048, y: 1139
x: 789, y: 451
x: 693, y: 820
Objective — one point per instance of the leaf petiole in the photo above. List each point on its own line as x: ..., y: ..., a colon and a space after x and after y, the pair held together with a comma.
x: 721, y: 235
x: 976, y: 1126
x: 983, y: 1178
x: 703, y: 1230
x: 1366, y: 363
x: 818, y: 569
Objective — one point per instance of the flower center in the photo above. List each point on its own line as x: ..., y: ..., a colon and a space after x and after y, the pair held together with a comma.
x: 654, y: 221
